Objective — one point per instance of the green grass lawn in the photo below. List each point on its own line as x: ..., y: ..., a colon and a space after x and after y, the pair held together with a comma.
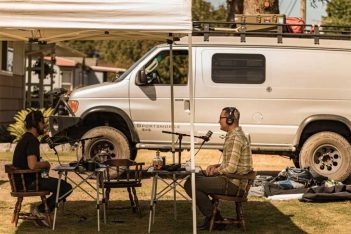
x: 262, y: 216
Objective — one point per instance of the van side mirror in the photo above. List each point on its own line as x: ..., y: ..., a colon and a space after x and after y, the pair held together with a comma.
x: 141, y: 78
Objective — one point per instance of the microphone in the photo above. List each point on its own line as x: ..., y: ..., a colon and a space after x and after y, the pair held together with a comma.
x: 51, y: 144
x: 207, y: 136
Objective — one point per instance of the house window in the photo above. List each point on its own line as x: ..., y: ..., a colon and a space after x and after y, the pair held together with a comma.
x: 6, y: 56
x: 239, y: 68
x: 67, y: 80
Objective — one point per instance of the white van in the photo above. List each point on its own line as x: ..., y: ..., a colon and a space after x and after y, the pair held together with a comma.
x: 294, y: 97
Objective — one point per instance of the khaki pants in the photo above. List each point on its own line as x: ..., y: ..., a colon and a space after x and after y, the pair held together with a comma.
x: 206, y: 185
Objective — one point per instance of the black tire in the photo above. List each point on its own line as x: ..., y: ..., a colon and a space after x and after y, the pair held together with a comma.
x: 112, y: 142
x: 328, y: 154
x: 133, y: 152
x: 296, y: 161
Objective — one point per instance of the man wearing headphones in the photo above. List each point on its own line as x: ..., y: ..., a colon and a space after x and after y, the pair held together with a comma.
x: 237, y: 159
x: 27, y: 156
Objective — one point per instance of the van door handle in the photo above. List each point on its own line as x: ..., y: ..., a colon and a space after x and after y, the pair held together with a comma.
x: 187, y: 105
x: 179, y: 99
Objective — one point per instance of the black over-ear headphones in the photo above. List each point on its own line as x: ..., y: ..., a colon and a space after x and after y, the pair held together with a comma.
x: 33, y: 119
x: 34, y: 123
x: 230, y: 118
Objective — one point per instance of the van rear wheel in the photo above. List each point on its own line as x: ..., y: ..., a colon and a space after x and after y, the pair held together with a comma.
x: 328, y: 154
x: 112, y: 142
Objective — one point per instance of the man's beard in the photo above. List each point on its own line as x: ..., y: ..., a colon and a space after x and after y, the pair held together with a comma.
x: 40, y: 131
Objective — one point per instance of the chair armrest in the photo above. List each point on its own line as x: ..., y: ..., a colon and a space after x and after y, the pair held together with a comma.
x: 26, y: 171
x: 249, y: 176
x: 11, y: 169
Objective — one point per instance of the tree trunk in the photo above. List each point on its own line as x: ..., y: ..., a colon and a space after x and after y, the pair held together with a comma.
x: 234, y: 7
x: 254, y: 7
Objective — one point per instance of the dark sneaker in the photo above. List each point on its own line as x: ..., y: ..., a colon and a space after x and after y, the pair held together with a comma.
x: 205, y: 224
x: 219, y: 226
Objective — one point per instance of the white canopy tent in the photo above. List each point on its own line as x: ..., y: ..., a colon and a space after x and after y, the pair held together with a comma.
x: 52, y: 21
x: 58, y: 20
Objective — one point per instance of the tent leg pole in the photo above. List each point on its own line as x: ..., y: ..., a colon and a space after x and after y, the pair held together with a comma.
x: 192, y: 139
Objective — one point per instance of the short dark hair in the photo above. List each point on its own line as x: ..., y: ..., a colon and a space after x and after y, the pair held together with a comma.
x: 236, y: 113
x: 33, y: 118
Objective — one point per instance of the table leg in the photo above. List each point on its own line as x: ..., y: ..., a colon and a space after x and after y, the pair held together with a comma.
x: 57, y: 198
x: 175, y: 196
x: 152, y: 202
x: 154, y: 207
x: 103, y: 195
x: 98, y: 201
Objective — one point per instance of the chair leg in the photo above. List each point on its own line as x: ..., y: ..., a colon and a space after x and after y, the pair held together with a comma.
x: 47, y: 212
x: 17, y: 210
x: 240, y: 215
x: 136, y: 201
x: 214, y: 212
x: 14, y: 212
x: 132, y: 204
x: 237, y: 209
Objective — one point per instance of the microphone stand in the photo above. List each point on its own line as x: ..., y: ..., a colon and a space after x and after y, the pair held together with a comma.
x: 180, y: 138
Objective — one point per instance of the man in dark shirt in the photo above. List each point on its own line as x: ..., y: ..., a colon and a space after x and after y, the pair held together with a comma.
x: 27, y: 156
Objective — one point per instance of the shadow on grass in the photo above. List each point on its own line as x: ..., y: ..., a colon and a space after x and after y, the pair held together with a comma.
x: 261, y: 217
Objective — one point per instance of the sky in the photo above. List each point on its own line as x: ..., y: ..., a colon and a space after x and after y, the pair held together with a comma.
x: 292, y: 8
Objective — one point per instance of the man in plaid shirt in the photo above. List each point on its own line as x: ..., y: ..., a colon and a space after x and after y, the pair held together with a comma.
x: 237, y: 159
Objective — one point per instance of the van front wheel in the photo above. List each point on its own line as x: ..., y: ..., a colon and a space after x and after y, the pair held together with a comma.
x: 112, y: 143
x: 328, y: 154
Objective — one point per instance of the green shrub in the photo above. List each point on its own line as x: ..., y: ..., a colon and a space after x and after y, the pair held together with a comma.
x: 5, y: 136
x: 18, y: 128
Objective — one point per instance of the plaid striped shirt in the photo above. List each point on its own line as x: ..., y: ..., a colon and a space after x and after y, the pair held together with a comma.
x: 237, y: 157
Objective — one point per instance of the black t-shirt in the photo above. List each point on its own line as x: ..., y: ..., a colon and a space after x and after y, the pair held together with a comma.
x: 27, y: 145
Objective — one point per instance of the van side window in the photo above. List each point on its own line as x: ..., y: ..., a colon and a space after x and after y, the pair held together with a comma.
x: 239, y: 68
x: 158, y: 68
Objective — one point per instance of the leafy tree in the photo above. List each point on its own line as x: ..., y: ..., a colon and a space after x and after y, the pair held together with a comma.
x: 339, y: 13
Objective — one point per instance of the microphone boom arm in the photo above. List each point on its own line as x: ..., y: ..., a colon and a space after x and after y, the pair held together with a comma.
x: 187, y: 135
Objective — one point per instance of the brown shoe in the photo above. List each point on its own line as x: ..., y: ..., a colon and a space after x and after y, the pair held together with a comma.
x: 43, y: 219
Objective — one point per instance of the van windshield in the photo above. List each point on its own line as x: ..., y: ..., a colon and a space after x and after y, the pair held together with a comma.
x: 126, y: 73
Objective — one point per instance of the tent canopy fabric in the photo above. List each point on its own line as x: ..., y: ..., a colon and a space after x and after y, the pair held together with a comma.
x: 58, y: 20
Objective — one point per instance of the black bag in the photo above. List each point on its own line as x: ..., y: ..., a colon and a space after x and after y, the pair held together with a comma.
x: 299, y: 175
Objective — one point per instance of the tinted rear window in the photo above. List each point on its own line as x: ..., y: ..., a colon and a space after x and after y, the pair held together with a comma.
x: 238, y: 68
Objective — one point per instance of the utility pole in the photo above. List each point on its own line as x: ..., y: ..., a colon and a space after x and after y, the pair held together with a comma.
x: 303, y: 4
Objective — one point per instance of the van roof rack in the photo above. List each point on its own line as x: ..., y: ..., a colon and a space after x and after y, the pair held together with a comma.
x: 245, y: 29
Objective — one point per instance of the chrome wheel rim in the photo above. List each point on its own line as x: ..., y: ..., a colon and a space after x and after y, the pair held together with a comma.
x: 327, y: 159
x: 101, y: 147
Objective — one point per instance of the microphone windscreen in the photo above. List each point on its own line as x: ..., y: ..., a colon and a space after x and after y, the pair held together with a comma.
x: 48, y: 140
x: 208, y: 135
